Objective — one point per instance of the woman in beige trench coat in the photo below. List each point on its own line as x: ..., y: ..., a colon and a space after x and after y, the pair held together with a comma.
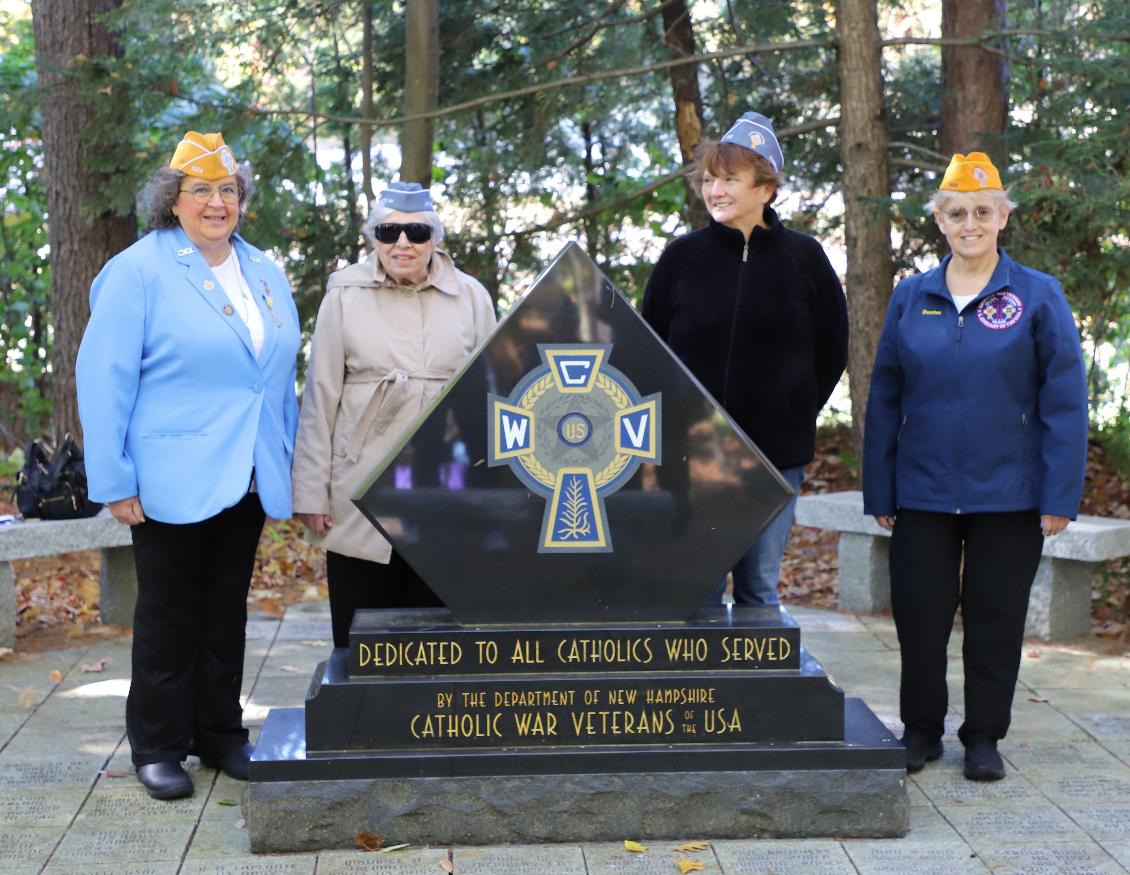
x: 391, y: 332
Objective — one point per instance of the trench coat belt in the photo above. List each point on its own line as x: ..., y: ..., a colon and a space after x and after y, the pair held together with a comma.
x: 385, y: 385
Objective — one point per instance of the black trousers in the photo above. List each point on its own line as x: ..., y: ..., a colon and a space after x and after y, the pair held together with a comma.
x: 189, y: 630
x: 1001, y: 552
x: 358, y: 583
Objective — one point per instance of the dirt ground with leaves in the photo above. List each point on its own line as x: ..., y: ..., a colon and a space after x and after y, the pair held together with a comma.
x: 57, y: 597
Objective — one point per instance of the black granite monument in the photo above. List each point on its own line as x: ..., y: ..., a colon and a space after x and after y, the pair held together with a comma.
x: 574, y: 496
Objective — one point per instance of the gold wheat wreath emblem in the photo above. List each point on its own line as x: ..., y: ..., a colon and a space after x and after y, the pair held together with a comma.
x: 574, y: 430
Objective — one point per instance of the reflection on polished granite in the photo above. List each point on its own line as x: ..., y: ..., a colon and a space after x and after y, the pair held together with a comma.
x: 472, y: 529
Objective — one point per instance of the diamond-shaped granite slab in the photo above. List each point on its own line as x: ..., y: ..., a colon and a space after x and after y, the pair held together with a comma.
x: 574, y: 470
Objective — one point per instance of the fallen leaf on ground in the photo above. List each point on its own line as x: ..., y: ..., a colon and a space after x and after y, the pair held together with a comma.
x: 693, y: 846
x: 1037, y: 700
x: 289, y: 669
x: 227, y: 802
x: 240, y: 824
x: 116, y: 773
x: 56, y: 676
x: 392, y: 848
x: 1034, y: 654
x: 368, y: 841
x: 634, y: 847
x: 28, y: 697
x: 95, y: 666
x: 5, y: 652
x: 686, y: 864
x: 446, y: 866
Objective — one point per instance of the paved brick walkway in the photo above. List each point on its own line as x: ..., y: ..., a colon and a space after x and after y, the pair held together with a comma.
x: 68, y: 806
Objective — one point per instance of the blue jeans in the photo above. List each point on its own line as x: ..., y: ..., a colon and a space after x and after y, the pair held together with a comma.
x: 757, y: 572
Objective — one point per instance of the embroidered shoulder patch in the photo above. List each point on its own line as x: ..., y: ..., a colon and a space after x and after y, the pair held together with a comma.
x: 1000, y: 310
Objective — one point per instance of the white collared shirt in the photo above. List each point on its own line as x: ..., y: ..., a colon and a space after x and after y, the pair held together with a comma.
x: 235, y: 287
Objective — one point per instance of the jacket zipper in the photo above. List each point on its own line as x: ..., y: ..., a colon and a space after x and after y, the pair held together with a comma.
x: 733, y: 326
x: 957, y: 419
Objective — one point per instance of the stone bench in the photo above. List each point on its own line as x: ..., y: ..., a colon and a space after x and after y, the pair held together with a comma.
x: 28, y: 540
x: 1060, y: 605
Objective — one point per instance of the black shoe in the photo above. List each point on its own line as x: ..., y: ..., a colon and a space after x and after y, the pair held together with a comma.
x: 982, y: 762
x: 235, y: 763
x: 920, y: 749
x: 165, y: 780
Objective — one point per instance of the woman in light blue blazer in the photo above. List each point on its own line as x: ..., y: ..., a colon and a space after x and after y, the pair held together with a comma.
x: 186, y: 393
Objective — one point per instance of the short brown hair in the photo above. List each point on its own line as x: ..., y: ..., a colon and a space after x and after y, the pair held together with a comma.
x: 722, y: 159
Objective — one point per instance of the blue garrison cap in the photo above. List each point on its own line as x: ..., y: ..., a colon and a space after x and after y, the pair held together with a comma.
x: 407, y: 197
x: 754, y: 132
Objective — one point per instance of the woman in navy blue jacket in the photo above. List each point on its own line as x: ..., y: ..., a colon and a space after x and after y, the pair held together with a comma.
x: 186, y: 392
x: 974, y: 452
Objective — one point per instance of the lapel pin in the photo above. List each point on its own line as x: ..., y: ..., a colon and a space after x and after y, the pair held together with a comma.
x: 209, y: 285
x: 228, y: 309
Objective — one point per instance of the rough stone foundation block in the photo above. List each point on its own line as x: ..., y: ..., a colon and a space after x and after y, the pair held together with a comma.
x: 864, y: 579
x: 532, y: 809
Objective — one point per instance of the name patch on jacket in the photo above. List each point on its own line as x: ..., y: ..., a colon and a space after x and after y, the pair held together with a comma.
x: 926, y: 312
x: 1000, y: 310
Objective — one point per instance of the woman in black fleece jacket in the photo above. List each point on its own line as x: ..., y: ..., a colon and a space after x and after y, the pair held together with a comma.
x: 757, y: 314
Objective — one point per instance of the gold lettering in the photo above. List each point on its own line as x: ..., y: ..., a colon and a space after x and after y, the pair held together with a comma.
x: 716, y: 722
x: 364, y: 654
x: 687, y: 649
x: 539, y: 723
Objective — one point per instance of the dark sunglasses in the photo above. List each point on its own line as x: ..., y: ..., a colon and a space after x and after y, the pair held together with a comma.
x: 416, y: 232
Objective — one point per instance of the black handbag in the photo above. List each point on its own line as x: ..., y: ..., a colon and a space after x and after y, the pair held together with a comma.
x: 54, y: 487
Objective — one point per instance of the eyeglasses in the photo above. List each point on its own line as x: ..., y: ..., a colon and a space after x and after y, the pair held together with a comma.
x: 981, y: 215
x: 416, y: 232
x: 202, y: 194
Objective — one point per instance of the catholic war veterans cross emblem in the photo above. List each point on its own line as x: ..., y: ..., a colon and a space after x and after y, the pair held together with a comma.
x: 574, y: 430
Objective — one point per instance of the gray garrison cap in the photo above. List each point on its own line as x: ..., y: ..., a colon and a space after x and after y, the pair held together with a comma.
x: 407, y: 197
x: 754, y: 132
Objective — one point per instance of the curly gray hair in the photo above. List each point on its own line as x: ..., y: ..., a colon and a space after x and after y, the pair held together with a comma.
x: 380, y: 214
x: 163, y: 187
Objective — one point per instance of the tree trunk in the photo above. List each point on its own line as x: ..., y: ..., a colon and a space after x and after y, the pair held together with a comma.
x: 974, y: 81
x: 866, y: 188
x: 421, y: 89
x: 366, y: 132
x: 678, y: 33
x: 68, y: 36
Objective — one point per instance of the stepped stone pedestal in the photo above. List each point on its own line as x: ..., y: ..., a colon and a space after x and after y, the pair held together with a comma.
x: 573, y: 497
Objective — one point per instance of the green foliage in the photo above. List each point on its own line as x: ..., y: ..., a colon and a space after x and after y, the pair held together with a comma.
x: 516, y: 178
x: 1115, y: 438
x: 24, y: 273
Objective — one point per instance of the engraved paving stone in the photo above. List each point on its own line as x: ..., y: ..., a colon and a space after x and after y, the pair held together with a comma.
x: 91, y: 841
x: 568, y: 860
x: 783, y: 858
x: 659, y: 859
x: 574, y: 498
x: 919, y: 858
x: 263, y: 866
x: 408, y: 861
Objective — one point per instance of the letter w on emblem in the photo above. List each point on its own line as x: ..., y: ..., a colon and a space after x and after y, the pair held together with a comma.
x: 511, y: 431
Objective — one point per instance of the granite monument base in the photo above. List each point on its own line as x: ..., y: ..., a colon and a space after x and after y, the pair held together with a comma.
x: 430, y: 731
x: 856, y: 788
